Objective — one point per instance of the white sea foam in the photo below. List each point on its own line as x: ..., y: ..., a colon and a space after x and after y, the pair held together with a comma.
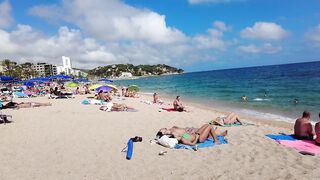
x: 261, y: 99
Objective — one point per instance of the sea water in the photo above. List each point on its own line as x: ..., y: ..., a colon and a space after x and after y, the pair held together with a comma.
x: 275, y: 92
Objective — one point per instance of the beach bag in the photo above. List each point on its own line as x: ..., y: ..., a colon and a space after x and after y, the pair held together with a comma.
x: 168, y: 142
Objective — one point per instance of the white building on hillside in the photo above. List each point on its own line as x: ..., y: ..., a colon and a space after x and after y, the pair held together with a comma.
x: 66, y: 67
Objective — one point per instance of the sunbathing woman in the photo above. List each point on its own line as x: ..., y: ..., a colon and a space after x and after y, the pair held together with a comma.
x: 230, y: 119
x: 24, y: 105
x: 115, y: 107
x: 191, y: 136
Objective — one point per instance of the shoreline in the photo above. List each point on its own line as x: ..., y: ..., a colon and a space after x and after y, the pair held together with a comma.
x: 272, y: 122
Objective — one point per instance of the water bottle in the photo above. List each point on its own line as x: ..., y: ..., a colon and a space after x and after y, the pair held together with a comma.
x: 130, y: 149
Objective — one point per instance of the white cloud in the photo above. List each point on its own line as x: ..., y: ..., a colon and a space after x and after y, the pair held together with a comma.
x: 265, y: 48
x: 5, y: 14
x: 264, y: 31
x: 112, y: 20
x: 214, y: 38
x: 212, y: 1
x: 221, y: 26
x: 313, y: 36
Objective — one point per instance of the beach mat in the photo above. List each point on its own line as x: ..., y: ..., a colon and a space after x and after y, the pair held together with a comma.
x: 208, y: 143
x: 278, y: 137
x: 229, y: 125
x: 303, y: 146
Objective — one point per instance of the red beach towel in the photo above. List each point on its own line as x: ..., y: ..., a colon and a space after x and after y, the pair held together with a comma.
x: 169, y: 109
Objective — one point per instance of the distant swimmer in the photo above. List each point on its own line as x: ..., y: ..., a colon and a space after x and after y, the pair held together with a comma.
x: 265, y: 94
x: 295, y: 100
x: 244, y: 98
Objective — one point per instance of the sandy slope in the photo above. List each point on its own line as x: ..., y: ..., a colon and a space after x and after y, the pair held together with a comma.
x: 73, y: 141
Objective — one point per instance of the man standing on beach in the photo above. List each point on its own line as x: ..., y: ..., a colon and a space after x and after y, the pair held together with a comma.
x: 303, y: 127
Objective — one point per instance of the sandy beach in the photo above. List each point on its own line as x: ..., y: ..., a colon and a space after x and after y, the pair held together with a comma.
x: 73, y: 141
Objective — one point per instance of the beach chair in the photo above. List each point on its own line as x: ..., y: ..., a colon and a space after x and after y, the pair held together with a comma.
x: 20, y: 95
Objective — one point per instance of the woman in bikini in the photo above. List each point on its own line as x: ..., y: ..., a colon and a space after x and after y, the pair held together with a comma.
x: 230, y: 119
x: 191, y: 136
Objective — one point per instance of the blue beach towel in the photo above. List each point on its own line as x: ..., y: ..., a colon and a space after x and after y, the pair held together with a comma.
x: 281, y: 137
x: 85, y: 102
x: 208, y: 143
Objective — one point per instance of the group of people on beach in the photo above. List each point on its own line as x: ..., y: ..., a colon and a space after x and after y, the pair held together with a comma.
x: 303, y: 129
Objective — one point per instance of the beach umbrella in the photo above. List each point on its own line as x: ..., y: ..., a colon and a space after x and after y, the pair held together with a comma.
x: 82, y: 80
x: 59, y: 76
x: 72, y: 85
x: 29, y: 83
x: 133, y: 88
x: 7, y: 79
x: 104, y: 89
x: 105, y: 80
x: 112, y: 86
x: 40, y: 79
x: 95, y: 86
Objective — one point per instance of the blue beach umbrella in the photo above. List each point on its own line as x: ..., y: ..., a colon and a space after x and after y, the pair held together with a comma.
x: 40, y: 79
x: 105, y: 80
x: 104, y: 89
x: 29, y: 83
x: 7, y: 79
x: 59, y: 76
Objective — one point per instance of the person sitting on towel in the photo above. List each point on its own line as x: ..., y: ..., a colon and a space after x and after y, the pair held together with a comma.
x: 177, y: 105
x: 191, y: 137
x: 303, y: 127
x: 317, y: 132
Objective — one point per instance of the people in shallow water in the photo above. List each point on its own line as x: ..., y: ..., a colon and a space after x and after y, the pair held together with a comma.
x: 295, y: 100
x: 244, y: 98
x: 303, y: 127
x: 191, y: 136
x: 317, y: 132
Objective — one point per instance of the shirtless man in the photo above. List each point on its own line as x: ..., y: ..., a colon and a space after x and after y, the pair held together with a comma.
x: 303, y: 127
x: 177, y: 105
x: 190, y: 136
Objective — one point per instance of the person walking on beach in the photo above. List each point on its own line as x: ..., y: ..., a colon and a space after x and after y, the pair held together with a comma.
x: 317, y: 132
x: 177, y: 105
x: 303, y: 127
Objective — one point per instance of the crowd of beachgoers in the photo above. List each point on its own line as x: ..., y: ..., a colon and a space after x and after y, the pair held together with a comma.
x: 103, y: 95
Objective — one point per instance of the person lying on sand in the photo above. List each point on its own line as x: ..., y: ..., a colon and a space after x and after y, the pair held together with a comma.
x: 24, y: 105
x: 115, y: 107
x: 232, y: 118
x: 303, y: 127
x: 191, y: 136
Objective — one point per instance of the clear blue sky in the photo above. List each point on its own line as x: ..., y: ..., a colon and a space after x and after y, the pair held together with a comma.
x: 195, y: 35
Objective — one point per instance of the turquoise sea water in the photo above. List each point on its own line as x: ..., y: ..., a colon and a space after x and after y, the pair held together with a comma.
x: 271, y: 90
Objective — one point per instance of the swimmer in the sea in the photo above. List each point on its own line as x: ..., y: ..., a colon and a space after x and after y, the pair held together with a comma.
x: 244, y: 98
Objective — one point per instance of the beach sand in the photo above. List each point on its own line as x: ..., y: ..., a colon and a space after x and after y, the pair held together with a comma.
x: 73, y: 141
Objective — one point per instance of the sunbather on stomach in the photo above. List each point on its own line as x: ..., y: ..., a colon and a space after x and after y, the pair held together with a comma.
x: 24, y: 105
x: 191, y: 136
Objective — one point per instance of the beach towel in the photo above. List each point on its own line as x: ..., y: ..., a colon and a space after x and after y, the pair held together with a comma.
x: 302, y: 146
x: 281, y: 137
x: 229, y: 125
x: 169, y: 109
x: 208, y: 143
